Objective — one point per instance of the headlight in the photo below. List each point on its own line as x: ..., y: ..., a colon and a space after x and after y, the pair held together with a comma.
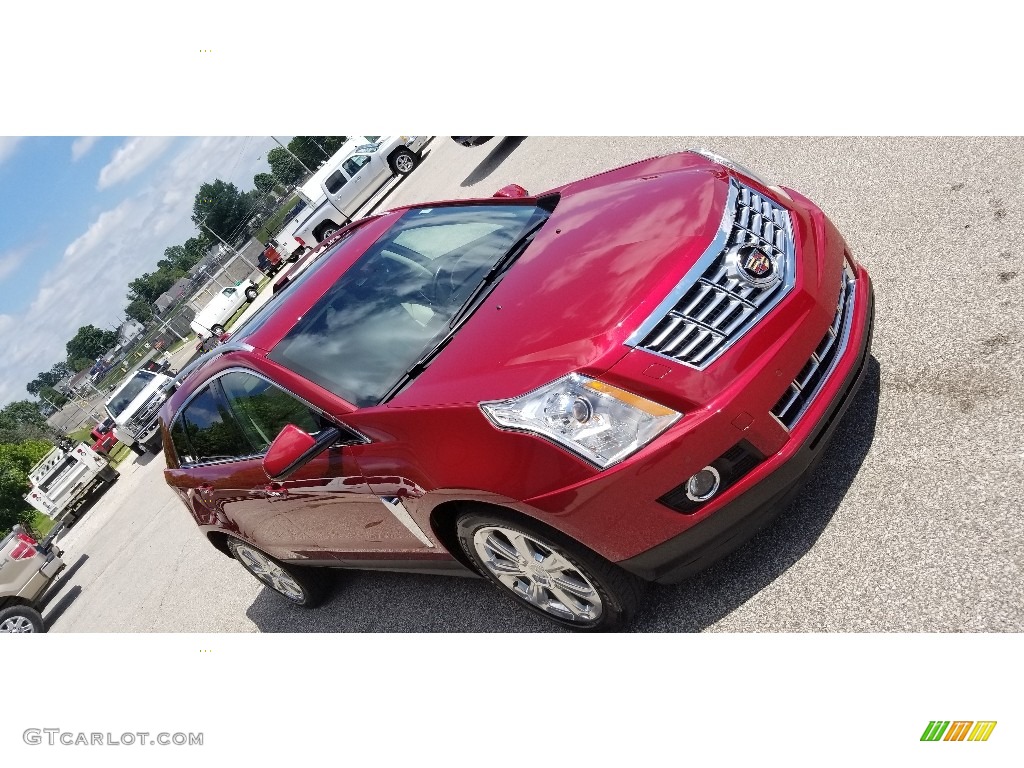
x: 599, y: 422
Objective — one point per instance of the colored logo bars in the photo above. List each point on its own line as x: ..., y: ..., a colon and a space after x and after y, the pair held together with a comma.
x: 958, y: 730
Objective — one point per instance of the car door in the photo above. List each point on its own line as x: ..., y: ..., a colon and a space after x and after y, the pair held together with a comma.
x: 324, y: 511
x: 342, y: 191
x: 368, y: 173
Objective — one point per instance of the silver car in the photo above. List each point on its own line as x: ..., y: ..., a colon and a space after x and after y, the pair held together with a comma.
x: 27, y: 568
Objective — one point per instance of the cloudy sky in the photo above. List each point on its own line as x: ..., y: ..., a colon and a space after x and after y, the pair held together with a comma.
x: 82, y: 217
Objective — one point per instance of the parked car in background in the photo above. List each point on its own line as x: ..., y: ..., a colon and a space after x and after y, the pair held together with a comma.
x: 615, y: 381
x: 206, y: 343
x: 222, y: 307
x: 270, y: 260
x: 27, y: 569
x: 134, y: 406
x: 103, y: 436
x: 471, y: 141
x: 355, y: 180
x: 67, y: 480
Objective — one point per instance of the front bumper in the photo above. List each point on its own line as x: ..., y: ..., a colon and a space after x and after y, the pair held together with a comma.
x: 735, y: 523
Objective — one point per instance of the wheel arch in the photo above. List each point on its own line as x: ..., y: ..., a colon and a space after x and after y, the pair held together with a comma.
x: 444, y: 516
x: 219, y: 539
x: 397, y: 150
x: 318, y: 232
x: 14, y: 600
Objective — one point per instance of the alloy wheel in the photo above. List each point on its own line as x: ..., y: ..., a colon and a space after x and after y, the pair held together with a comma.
x: 538, y: 574
x: 269, y: 572
x: 404, y: 163
x: 16, y: 624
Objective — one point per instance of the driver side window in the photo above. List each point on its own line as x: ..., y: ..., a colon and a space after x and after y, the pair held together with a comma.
x: 355, y: 163
x: 207, y: 431
x: 263, y: 410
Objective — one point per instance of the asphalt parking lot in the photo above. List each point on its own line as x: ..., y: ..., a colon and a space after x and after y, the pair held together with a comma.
x: 912, y: 522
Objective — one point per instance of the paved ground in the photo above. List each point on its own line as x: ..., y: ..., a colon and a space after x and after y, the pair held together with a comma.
x: 912, y: 523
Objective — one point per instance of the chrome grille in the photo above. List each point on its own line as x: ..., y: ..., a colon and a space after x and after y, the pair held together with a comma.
x: 146, y: 413
x: 808, y: 383
x: 717, y: 303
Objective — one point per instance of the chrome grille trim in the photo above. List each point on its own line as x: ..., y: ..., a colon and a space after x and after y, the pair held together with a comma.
x: 804, y: 389
x: 712, y: 307
x: 146, y: 413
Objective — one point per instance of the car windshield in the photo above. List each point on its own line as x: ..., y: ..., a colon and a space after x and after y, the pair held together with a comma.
x: 131, y: 390
x: 394, y: 304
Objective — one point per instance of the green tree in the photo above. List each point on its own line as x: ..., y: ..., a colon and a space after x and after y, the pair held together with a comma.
x: 284, y: 167
x: 21, y: 420
x: 54, y: 396
x: 90, y: 342
x: 50, y: 378
x: 16, y: 459
x: 140, y: 310
x: 224, y: 209
x: 266, y: 183
x: 315, y: 150
x: 151, y: 285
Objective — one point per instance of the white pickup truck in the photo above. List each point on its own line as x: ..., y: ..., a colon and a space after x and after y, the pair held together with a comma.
x: 67, y: 479
x: 354, y: 180
x: 311, y: 194
x: 134, y: 407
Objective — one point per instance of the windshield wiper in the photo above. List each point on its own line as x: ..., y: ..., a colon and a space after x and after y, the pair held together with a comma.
x: 474, y: 300
x: 477, y: 295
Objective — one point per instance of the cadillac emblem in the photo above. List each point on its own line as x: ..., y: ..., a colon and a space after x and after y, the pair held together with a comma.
x: 755, y: 266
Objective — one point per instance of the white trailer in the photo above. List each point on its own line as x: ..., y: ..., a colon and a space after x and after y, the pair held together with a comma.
x: 67, y: 480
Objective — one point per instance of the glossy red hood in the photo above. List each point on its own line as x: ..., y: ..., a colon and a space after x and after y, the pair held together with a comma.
x: 615, y: 246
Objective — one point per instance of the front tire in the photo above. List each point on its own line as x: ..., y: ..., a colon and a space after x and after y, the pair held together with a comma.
x: 21, y: 618
x: 138, y: 449
x: 300, y: 586
x: 217, y: 329
x: 549, y: 573
x: 403, y: 161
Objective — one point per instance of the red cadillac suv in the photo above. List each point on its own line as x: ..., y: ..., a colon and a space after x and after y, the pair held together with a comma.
x: 617, y: 381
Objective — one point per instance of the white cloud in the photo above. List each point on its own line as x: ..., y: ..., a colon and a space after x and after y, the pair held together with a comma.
x: 131, y: 158
x: 89, y: 282
x: 81, y: 147
x: 11, y: 260
x: 7, y: 145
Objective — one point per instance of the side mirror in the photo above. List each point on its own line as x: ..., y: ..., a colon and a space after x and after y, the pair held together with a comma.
x: 512, y: 190
x: 292, y: 448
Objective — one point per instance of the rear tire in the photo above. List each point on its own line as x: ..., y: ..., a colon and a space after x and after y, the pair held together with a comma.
x: 403, y: 161
x: 251, y: 292
x: 21, y: 618
x: 305, y: 587
x: 549, y: 573
x: 216, y: 329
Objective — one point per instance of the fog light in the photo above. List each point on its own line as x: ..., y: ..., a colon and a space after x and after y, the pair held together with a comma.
x: 703, y: 485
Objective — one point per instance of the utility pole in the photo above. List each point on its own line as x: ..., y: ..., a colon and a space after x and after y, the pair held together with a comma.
x: 165, y: 325
x: 326, y: 156
x: 226, y: 245
x: 282, y: 146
